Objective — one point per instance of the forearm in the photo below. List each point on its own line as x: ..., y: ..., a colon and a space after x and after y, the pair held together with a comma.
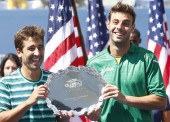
x: 14, y: 115
x: 149, y: 102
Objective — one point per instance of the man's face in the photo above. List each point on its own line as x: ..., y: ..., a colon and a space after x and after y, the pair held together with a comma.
x: 120, y: 27
x: 134, y: 39
x: 32, y: 54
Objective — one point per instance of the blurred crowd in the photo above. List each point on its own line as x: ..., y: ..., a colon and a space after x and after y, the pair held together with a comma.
x: 30, y: 4
x: 35, y: 4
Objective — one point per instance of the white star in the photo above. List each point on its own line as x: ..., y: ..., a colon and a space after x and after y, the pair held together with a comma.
x: 51, y: 18
x: 153, y: 28
x: 159, y: 4
x: 99, y: 15
x: 92, y: 8
x: 101, y: 33
x: 159, y: 25
x: 161, y: 34
x: 156, y: 38
x: 52, y: 6
x: 59, y: 19
x: 94, y: 35
x: 50, y: 30
x: 91, y: 47
x: 61, y: 7
x: 100, y: 24
x: 154, y: 7
x: 88, y: 19
x: 93, y: 26
x: 89, y: 28
x: 97, y: 52
x: 150, y: 19
x: 92, y: 17
x: 90, y: 37
x: 156, y: 16
x: 70, y: 8
x: 148, y: 32
x: 102, y: 42
x: 96, y: 44
x: 97, y: 5
x: 149, y: 11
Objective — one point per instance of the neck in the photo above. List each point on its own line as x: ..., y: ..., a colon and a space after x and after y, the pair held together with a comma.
x: 31, y: 74
x: 119, y: 51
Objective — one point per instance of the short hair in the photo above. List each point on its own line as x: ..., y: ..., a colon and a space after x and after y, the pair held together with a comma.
x: 124, y: 8
x: 136, y: 31
x: 12, y: 57
x: 26, y: 32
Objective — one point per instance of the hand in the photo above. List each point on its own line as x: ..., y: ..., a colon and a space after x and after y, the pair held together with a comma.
x: 39, y: 92
x: 65, y: 116
x: 112, y: 91
x: 94, y: 114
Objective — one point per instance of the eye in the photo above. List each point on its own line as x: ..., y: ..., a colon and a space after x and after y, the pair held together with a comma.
x: 41, y: 47
x: 126, y: 23
x: 31, y: 48
x: 115, y: 22
x: 6, y: 67
x: 14, y: 68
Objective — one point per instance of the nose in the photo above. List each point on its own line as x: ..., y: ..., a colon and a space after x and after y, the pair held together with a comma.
x: 36, y: 51
x: 10, y: 70
x: 119, y: 25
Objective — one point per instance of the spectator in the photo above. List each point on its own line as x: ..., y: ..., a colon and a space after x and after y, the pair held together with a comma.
x: 135, y: 37
x: 14, y: 4
x: 23, y: 92
x: 9, y: 63
x: 135, y: 84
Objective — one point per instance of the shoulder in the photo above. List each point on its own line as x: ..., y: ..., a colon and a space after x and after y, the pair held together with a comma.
x: 99, y: 57
x: 11, y: 78
x: 147, y: 54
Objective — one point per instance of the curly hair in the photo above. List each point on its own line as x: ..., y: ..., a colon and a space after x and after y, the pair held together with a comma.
x: 124, y: 8
x: 26, y: 32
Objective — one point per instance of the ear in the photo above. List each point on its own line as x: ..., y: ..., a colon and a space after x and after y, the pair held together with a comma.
x: 107, y: 24
x: 18, y: 52
x: 133, y: 27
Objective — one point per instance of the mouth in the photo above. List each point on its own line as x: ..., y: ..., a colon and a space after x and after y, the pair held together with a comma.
x: 118, y: 34
x: 36, y: 60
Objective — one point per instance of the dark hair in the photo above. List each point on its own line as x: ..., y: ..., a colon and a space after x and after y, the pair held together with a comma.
x: 12, y: 57
x: 124, y: 8
x: 26, y: 32
x: 136, y: 31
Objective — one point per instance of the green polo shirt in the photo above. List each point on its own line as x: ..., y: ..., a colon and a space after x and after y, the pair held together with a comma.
x: 137, y: 74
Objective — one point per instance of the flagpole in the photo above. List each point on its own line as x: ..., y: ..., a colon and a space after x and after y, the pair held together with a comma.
x: 79, y: 31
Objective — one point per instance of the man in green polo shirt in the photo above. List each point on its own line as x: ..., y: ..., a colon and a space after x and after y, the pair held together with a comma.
x: 134, y: 81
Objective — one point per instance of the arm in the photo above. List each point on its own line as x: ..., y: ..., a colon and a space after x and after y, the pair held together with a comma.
x: 14, y: 115
x: 148, y: 102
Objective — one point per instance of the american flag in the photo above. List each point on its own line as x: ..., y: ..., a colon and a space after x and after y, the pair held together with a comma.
x: 97, y: 35
x: 64, y: 45
x: 158, y: 39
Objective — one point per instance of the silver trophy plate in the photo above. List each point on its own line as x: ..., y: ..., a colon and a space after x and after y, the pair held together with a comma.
x: 75, y: 89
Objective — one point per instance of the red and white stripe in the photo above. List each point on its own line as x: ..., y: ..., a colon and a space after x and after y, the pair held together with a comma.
x: 163, y: 56
x: 64, y: 48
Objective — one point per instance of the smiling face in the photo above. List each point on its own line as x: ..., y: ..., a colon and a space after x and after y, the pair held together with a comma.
x: 32, y: 54
x: 120, y: 27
